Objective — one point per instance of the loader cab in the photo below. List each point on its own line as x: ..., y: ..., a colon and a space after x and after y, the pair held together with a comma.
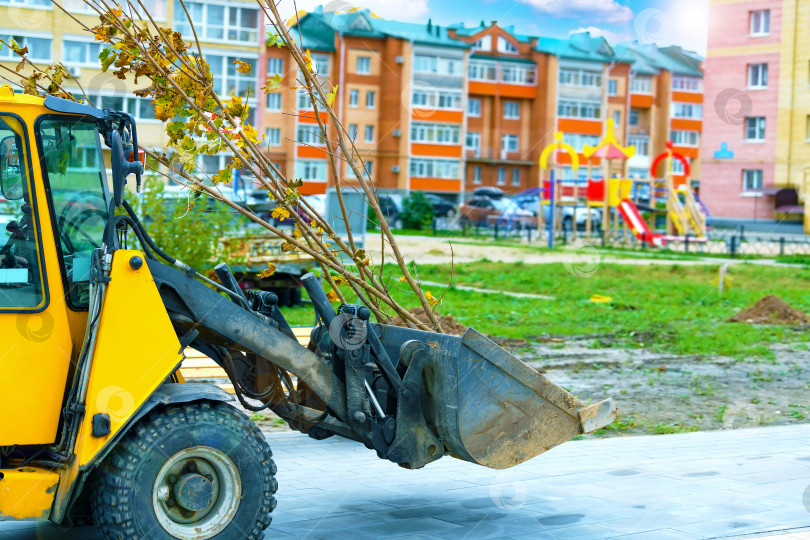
x: 55, y: 206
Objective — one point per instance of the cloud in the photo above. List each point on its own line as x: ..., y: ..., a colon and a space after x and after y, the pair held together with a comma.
x: 611, y: 36
x: 604, y: 11
x: 401, y: 10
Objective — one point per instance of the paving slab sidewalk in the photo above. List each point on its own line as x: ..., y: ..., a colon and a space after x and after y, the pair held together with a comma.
x: 752, y: 482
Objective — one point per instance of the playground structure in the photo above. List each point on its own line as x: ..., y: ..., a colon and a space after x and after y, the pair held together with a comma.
x: 623, y: 201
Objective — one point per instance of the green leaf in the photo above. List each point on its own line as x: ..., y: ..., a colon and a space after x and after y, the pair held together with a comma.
x: 273, y: 83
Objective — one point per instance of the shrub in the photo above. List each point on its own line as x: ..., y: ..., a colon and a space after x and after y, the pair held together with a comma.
x: 417, y: 211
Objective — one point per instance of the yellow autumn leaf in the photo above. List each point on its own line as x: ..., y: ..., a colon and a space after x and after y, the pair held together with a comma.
x: 331, y: 96
x: 269, y: 271
x: 332, y: 296
x: 430, y: 298
x: 272, y: 83
x: 279, y: 212
x: 242, y: 67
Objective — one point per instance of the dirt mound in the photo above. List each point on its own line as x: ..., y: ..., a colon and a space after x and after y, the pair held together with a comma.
x: 771, y: 310
x: 449, y: 323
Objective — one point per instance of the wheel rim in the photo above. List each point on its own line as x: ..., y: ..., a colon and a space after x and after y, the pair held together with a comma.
x: 196, y: 493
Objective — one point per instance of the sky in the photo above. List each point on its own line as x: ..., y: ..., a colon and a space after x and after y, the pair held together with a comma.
x: 665, y: 22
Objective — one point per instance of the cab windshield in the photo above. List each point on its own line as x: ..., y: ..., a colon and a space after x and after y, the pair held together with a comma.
x: 73, y: 165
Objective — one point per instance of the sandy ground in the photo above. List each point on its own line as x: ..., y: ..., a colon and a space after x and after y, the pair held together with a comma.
x: 660, y: 393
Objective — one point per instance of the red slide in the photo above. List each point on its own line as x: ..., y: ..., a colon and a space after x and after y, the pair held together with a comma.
x: 633, y: 218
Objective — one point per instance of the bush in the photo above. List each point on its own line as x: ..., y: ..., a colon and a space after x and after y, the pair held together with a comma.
x: 191, y: 235
x: 417, y: 211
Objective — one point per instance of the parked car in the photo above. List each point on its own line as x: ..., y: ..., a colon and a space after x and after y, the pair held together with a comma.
x: 391, y: 207
x: 441, y: 207
x: 570, y: 214
x: 490, y: 192
x: 479, y: 210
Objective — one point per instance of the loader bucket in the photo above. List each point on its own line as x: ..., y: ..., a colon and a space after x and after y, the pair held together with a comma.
x: 488, y: 407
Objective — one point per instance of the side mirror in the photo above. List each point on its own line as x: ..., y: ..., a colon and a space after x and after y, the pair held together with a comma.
x: 11, y: 177
x: 121, y: 167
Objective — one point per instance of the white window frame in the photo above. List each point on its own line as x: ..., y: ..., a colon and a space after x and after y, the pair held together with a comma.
x: 510, y: 143
x: 506, y: 46
x: 309, y: 134
x: 613, y: 87
x: 634, y: 113
x: 368, y: 134
x: 511, y: 110
x: 501, y: 176
x: 758, y: 124
x: 515, y: 177
x: 273, y: 63
x: 363, y: 65
x: 474, y: 111
x: 757, y: 76
x: 371, y: 99
x: 311, y: 170
x: 580, y: 77
x: 641, y: 85
x: 478, y: 70
x: 575, y: 109
x: 642, y: 144
x: 226, y: 75
x: 472, y: 141
x: 759, y: 22
x: 578, y: 141
x: 685, y: 138
x: 484, y: 43
x: 752, y: 179
x: 689, y: 111
x: 89, y: 60
x: 476, y: 174
x: 273, y: 107
x: 22, y: 37
x: 435, y: 168
x: 354, y: 98
x: 432, y: 99
x: 203, y: 25
x: 273, y: 136
x: 517, y: 74
x: 435, y: 133
x: 353, y: 128
x: 129, y: 103
x: 685, y: 83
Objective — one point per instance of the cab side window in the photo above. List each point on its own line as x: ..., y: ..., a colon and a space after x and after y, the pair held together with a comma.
x: 20, y: 268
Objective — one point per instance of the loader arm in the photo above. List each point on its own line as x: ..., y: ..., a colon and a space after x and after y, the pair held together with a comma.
x: 412, y: 396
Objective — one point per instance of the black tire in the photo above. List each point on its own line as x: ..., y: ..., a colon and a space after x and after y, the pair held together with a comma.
x: 126, y: 482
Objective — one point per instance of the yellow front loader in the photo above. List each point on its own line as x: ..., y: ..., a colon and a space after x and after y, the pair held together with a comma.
x: 94, y: 425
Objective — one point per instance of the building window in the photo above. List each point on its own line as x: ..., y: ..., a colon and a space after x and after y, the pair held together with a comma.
x: 579, y: 77
x: 435, y: 168
x: 320, y: 64
x: 677, y: 167
x: 353, y: 131
x: 363, y: 65
x: 274, y: 102
x: 483, y: 44
x: 685, y: 138
x: 80, y: 53
x: 510, y: 143
x: 687, y: 84
x: 311, y: 169
x: 473, y: 142
x: 760, y: 22
x: 474, y: 107
x: 273, y: 137
x: 39, y: 49
x: 438, y: 65
x: 28, y: 3
x: 504, y: 45
x: 437, y: 99
x: 617, y: 118
x: 483, y: 71
x: 757, y: 75
x: 310, y: 135
x: 435, y: 133
x: 227, y: 79
x: 354, y: 96
x: 579, y: 141
x: 370, y: 99
x: 633, y: 120
x: 511, y: 109
x: 752, y: 179
x: 687, y: 110
x: 369, y: 138
x: 370, y: 168
x: 515, y: 177
x: 140, y: 108
x: 518, y: 74
x: 755, y: 128
x: 275, y: 65
x: 641, y: 85
x: 476, y: 174
x: 501, y: 176
x: 613, y: 87
x: 580, y: 109
x: 642, y: 145
x: 218, y: 22
x: 303, y: 101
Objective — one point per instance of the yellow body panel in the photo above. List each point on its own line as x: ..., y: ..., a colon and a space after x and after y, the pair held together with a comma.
x: 37, y: 347
x: 27, y: 493
x: 137, y: 350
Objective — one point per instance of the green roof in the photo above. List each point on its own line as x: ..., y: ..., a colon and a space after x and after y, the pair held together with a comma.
x: 649, y: 59
x: 581, y: 46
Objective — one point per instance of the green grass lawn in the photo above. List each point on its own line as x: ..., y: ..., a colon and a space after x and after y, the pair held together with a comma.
x: 668, y: 308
